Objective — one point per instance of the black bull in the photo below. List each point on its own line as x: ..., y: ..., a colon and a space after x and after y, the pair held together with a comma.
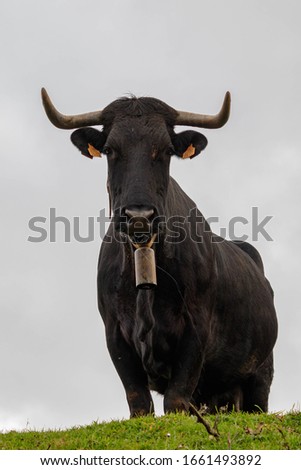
x: 205, y: 334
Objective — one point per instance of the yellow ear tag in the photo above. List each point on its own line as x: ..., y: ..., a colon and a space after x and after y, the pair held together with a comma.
x: 189, y: 152
x: 93, y: 151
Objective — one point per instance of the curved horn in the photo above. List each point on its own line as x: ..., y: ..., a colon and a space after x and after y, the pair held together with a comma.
x: 68, y: 122
x: 204, y: 120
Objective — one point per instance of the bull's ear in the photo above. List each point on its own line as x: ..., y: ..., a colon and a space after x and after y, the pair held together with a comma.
x: 188, y: 144
x: 89, y: 141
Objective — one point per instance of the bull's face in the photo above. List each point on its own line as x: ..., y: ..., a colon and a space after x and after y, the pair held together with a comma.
x: 138, y: 139
x: 138, y: 150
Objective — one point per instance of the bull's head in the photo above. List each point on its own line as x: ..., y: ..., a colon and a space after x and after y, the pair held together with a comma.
x: 138, y: 139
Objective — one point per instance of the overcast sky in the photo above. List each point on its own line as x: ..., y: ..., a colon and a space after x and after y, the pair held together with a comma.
x: 55, y: 368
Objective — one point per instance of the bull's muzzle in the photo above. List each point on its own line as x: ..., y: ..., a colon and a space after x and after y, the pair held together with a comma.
x: 139, y: 224
x: 139, y: 229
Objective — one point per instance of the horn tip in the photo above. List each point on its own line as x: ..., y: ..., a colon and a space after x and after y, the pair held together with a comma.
x: 228, y: 96
x: 53, y: 115
x: 45, y: 97
x: 43, y: 92
x: 227, y: 106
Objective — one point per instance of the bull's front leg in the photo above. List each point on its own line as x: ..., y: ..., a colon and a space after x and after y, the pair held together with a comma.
x: 186, y: 372
x: 130, y: 371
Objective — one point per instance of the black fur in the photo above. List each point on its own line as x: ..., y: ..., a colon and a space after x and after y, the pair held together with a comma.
x: 205, y: 335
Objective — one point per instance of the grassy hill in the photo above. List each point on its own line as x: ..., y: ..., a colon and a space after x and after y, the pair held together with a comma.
x: 235, y: 431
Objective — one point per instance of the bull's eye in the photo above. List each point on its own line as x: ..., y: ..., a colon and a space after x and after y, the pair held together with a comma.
x: 107, y: 150
x: 170, y: 151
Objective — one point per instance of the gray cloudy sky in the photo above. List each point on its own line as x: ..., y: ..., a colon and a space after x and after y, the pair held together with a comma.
x: 55, y: 369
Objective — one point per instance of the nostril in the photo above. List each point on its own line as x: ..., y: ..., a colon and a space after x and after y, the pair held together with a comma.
x: 145, y: 214
x: 139, y: 222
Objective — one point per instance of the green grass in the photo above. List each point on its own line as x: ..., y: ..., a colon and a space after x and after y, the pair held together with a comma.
x: 236, y: 431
